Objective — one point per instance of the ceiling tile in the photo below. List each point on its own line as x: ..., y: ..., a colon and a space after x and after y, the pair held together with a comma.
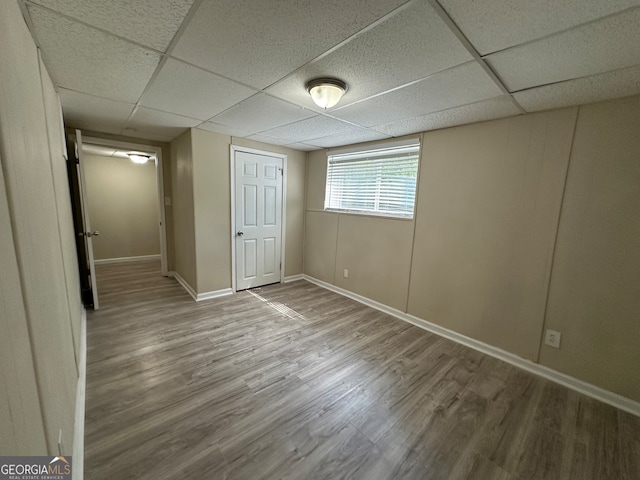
x: 262, y: 112
x: 149, y: 22
x: 352, y: 136
x: 99, y: 150
x: 302, y: 146
x: 605, y: 86
x: 607, y: 44
x: 259, y: 44
x: 103, y: 151
x: 146, y: 120
x: 92, y: 113
x: 83, y: 59
x: 467, y: 83
x: 268, y: 139
x: 316, y: 127
x: 146, y: 135
x: 493, y: 25
x: 410, y: 45
x: 224, y: 129
x: 190, y: 91
x: 476, y: 112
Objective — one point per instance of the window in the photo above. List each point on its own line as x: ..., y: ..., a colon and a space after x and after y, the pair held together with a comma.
x: 378, y: 181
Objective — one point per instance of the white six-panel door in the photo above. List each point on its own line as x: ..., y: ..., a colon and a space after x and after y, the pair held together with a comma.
x: 258, y: 219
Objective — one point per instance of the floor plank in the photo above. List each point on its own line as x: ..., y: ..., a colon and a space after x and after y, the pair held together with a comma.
x: 296, y: 382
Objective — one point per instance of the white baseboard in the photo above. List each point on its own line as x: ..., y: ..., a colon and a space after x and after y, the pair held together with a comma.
x: 198, y: 297
x: 140, y: 258
x: 214, y: 294
x: 81, y: 390
x: 185, y: 285
x: 293, y: 278
x: 588, y: 389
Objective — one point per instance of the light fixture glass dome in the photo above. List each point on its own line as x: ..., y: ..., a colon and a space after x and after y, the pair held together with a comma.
x: 138, y: 158
x: 326, y: 92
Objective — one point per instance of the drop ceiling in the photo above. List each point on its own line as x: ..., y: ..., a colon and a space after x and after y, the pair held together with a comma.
x: 152, y: 69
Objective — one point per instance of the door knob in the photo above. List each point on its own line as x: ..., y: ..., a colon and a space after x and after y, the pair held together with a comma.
x: 89, y: 234
x: 240, y: 233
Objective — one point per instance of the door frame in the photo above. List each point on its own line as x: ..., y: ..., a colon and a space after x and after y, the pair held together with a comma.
x: 84, y: 210
x: 283, y: 227
x: 157, y: 151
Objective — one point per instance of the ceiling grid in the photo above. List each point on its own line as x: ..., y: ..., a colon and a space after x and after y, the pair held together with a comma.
x: 154, y: 68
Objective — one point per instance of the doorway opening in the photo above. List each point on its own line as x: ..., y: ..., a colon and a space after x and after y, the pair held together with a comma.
x: 121, y: 207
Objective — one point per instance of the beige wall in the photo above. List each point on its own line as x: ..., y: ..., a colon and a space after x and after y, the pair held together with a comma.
x: 123, y: 206
x: 488, y: 207
x: 184, y: 242
x: 202, y: 192
x: 377, y: 253
x: 212, y: 200
x: 21, y: 420
x: 65, y: 218
x: 491, y: 202
x: 320, y: 245
x: 36, y: 282
x: 595, y: 285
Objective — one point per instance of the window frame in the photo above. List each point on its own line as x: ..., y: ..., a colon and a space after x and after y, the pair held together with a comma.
x: 378, y: 149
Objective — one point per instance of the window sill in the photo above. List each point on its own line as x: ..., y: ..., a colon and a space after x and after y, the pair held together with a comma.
x: 362, y: 214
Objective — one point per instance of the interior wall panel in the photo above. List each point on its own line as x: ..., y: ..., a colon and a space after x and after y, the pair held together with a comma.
x: 212, y: 197
x: 377, y: 254
x: 321, y: 231
x: 57, y: 147
x: 26, y: 162
x: 594, y: 297
x: 184, y: 249
x: 21, y: 421
x: 488, y: 206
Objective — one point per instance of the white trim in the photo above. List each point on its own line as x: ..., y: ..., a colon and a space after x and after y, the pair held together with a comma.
x: 184, y: 284
x: 283, y: 218
x: 78, y: 428
x: 82, y: 184
x: 232, y: 176
x: 232, y: 168
x: 379, y: 145
x: 159, y: 187
x: 293, y: 278
x: 588, y: 389
x: 139, y: 258
x: 198, y: 297
x: 214, y: 294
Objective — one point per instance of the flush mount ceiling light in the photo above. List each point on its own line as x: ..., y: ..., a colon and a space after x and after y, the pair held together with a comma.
x: 138, y: 158
x: 326, y: 92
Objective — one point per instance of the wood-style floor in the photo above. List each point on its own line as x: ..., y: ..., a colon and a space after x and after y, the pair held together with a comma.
x: 296, y: 382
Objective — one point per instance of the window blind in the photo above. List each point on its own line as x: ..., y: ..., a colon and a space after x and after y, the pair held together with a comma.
x: 379, y: 181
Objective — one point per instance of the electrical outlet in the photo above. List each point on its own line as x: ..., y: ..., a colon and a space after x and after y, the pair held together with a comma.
x: 552, y: 338
x: 345, y: 274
